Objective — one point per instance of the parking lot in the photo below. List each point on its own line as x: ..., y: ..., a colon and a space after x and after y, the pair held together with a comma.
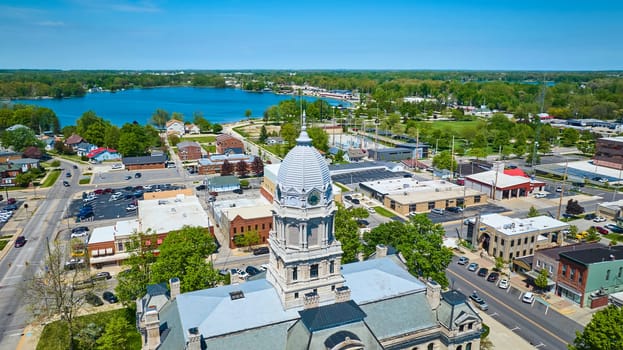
x: 105, y: 176
x: 106, y: 207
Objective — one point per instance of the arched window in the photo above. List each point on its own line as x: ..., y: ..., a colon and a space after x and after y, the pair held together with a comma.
x: 608, y: 274
x: 460, y: 347
x: 431, y: 346
x: 468, y: 346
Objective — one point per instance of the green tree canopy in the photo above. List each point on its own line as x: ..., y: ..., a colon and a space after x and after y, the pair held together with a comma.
x: 533, y: 212
x: 419, y: 241
x: 20, y: 138
x: 115, y: 334
x: 603, y: 332
x: 160, y: 118
x: 320, y: 138
x: 183, y: 254
x: 444, y: 160
x: 347, y: 232
x: 133, y: 281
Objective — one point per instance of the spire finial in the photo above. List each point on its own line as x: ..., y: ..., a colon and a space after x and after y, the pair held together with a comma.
x: 304, y: 121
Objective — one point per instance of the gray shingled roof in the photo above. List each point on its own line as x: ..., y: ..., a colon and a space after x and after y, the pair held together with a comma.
x: 144, y: 160
x: 332, y: 315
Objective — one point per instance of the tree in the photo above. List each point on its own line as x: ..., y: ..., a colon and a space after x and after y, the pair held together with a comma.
x: 160, y: 118
x: 289, y: 133
x: 115, y: 334
x: 203, y: 124
x: 592, y: 235
x: 257, y: 166
x: 541, y: 281
x: 444, y: 160
x: 320, y: 138
x: 347, y: 232
x: 419, y: 241
x: 133, y: 281
x: 216, y: 128
x: 20, y: 138
x: 182, y: 255
x: 88, y: 336
x: 533, y: 212
x: 247, y: 239
x: 263, y: 134
x: 49, y: 293
x: 499, y: 263
x: 227, y: 168
x: 574, y: 208
x: 248, y: 114
x: 604, y: 331
x: 242, y: 169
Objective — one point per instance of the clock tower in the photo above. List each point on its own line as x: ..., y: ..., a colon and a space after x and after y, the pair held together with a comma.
x: 305, y: 257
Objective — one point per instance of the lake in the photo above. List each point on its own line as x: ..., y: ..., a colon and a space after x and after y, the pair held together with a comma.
x: 217, y: 105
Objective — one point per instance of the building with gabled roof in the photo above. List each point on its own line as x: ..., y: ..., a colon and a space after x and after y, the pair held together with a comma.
x: 225, y: 142
x: 175, y: 127
x: 101, y: 154
x: 307, y: 298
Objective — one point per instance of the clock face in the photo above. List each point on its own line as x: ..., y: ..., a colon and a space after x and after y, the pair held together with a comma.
x: 313, y: 198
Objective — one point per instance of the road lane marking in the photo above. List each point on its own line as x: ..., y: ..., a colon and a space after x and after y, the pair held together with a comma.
x: 516, y: 328
x: 510, y: 309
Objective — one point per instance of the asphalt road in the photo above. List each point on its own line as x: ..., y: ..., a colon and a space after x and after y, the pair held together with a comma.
x: 539, y: 324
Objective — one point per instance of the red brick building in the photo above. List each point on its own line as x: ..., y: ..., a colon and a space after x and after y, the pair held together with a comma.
x: 239, y: 220
x: 609, y: 152
x: 225, y: 142
x: 189, y: 150
x: 144, y: 162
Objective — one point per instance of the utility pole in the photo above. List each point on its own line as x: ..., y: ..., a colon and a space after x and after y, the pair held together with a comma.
x: 452, y: 158
x: 562, y: 189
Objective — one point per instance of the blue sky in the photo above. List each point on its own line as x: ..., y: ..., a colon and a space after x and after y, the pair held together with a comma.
x: 320, y: 34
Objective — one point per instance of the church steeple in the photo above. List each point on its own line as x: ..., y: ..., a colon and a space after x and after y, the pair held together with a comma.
x: 305, y: 258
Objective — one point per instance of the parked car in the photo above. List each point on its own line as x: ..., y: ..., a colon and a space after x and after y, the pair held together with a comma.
x: 559, y: 189
x: 590, y: 216
x: 355, y: 201
x: 110, y: 297
x: 504, y: 284
x: 480, y: 303
x: 455, y: 209
x: 117, y: 166
x: 11, y: 200
x: 131, y: 207
x: 128, y: 177
x: 84, y: 284
x: 601, y: 230
x: 10, y: 207
x: 238, y: 190
x: 79, y: 229
x: 85, y: 217
x: 439, y: 211
x: 599, y: 219
x: 75, y: 166
x: 614, y: 228
x: 540, y: 195
x: 101, y: 276
x: 89, y: 198
x: 472, y: 267
x: 260, y: 251
x: 74, y: 263
x: 252, y: 270
x: 463, y: 260
x: 528, y: 297
x: 348, y: 198
x: 201, y: 188
x: 93, y: 299
x: 469, y: 221
x: 493, y: 277
x: 483, y: 272
x: 116, y: 196
x: 362, y: 222
x: 20, y: 242
x: 67, y: 174
x: 66, y: 184
x: 570, y: 216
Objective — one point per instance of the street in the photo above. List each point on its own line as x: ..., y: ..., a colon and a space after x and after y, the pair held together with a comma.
x: 540, y: 325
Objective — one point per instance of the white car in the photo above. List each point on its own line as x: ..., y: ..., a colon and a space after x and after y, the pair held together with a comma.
x: 540, y: 195
x: 89, y: 198
x: 115, y: 196
x: 80, y: 234
x: 117, y: 166
x: 528, y: 297
x: 504, y: 283
x: 599, y: 219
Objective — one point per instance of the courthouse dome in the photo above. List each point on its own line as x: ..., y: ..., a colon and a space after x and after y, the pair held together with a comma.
x: 303, y: 168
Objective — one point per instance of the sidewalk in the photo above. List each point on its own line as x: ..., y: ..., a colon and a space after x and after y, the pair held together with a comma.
x: 501, y: 337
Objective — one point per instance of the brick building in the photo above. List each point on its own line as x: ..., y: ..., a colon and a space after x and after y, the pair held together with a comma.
x: 214, y: 162
x: 189, y: 150
x: 144, y: 162
x: 225, y: 142
x: 609, y: 152
x: 237, y: 221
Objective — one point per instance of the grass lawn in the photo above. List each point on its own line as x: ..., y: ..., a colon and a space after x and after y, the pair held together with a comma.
x: 200, y: 139
x: 614, y: 237
x: 51, y: 178
x: 342, y: 187
x: 241, y: 131
x: 452, y: 125
x: 56, y: 337
x: 85, y: 180
x: 382, y: 211
x: 3, y: 243
x: 209, y: 148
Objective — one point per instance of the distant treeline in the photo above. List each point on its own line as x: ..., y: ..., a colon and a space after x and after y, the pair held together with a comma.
x: 562, y: 94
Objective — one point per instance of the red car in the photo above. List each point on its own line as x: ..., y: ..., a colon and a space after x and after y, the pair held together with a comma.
x: 108, y: 190
x: 601, y: 230
x: 99, y: 191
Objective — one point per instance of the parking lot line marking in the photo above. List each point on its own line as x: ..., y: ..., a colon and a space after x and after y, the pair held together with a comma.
x: 540, y: 345
x: 516, y: 328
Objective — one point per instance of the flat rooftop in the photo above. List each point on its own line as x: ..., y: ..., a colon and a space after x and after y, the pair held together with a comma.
x: 165, y: 215
x: 251, y: 212
x: 410, y: 184
x: 499, y: 179
x: 515, y: 226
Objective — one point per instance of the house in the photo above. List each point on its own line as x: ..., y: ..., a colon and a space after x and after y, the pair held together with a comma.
x: 144, y: 162
x: 84, y: 148
x: 189, y: 150
x: 25, y: 164
x: 588, y: 276
x: 73, y: 141
x: 308, y: 299
x: 175, y: 127
x: 225, y: 142
x: 6, y: 156
x: 192, y: 129
x: 101, y: 154
x: 8, y: 173
x: 275, y: 140
x: 508, y: 238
